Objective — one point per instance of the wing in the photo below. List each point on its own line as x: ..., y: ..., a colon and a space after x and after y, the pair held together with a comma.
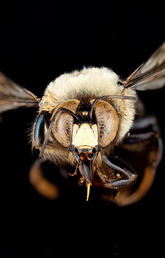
x: 13, y: 96
x: 151, y: 74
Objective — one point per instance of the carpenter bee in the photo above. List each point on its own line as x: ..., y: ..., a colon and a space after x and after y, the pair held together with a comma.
x: 94, y: 122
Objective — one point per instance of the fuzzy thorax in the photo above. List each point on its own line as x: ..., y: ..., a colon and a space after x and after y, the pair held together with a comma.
x: 92, y: 83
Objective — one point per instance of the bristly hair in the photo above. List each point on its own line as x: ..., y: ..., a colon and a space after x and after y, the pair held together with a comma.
x: 92, y: 83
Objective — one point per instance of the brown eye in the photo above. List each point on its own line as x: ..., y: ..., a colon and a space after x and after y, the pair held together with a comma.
x: 63, y: 124
x: 62, y: 128
x: 107, y: 122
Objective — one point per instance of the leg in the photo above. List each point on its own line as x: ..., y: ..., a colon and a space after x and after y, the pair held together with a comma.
x: 142, y: 123
x: 127, y: 173
x: 120, y: 183
x: 139, y: 137
x: 40, y: 183
x: 143, y: 129
x: 143, y: 152
x: 123, y: 199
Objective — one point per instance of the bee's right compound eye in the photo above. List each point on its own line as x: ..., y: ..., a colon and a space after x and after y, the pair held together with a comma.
x: 40, y: 128
x: 107, y: 122
x: 62, y: 128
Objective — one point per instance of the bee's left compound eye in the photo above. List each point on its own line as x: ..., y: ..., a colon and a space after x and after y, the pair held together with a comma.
x: 107, y: 122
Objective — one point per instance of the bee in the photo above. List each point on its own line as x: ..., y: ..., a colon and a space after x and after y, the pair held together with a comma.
x: 94, y: 122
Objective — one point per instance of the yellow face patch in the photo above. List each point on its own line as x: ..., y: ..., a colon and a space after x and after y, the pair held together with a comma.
x: 85, y: 136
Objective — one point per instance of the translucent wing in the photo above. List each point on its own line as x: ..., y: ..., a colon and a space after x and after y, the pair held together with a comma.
x: 13, y: 96
x: 151, y: 74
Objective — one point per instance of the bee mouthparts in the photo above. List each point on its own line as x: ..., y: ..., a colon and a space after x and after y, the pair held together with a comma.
x: 88, y: 191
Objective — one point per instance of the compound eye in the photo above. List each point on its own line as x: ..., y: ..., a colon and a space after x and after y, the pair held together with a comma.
x: 39, y: 129
x: 62, y: 128
x: 107, y: 122
x: 63, y: 125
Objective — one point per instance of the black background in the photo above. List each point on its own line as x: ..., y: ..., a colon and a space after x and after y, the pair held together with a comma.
x: 38, y: 42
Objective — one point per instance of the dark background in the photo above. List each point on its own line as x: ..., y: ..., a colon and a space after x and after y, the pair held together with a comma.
x: 38, y: 42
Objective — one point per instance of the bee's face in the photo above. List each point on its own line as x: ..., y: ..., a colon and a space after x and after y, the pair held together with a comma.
x: 80, y: 130
x: 98, y: 130
x: 89, y: 113
x: 88, y: 131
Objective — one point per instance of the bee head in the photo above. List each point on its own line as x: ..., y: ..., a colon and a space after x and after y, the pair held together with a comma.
x: 96, y: 124
x: 83, y: 130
